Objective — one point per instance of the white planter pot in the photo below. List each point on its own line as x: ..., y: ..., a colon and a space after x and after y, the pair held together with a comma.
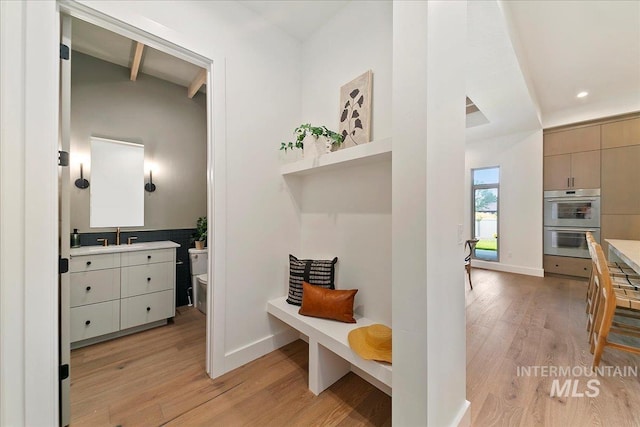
x: 316, y: 147
x: 290, y: 156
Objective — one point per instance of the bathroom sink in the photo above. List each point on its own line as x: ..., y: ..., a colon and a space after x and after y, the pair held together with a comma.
x: 99, y: 249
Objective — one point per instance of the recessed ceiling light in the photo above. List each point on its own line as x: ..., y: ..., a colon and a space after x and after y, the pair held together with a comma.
x: 582, y: 94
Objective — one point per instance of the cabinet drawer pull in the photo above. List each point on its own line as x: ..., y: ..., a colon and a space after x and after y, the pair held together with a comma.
x: 148, y: 279
x: 148, y: 308
x: 88, y: 322
x: 88, y: 288
x: 148, y: 256
x: 88, y: 263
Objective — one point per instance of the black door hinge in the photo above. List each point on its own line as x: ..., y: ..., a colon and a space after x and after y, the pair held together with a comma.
x: 63, y: 158
x: 63, y: 265
x: 64, y: 372
x: 64, y: 51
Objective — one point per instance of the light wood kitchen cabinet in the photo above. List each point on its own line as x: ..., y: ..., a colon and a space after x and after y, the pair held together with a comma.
x: 626, y: 227
x: 585, y: 169
x: 620, y: 134
x: 557, y: 172
x: 572, y: 171
x: 605, y: 155
x: 580, y: 267
x: 621, y: 181
x: 585, y: 138
x: 572, y: 158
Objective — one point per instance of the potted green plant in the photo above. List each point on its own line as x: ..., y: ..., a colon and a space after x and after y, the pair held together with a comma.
x: 332, y: 140
x: 200, y: 236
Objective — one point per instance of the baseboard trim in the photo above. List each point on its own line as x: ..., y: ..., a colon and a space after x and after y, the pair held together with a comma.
x: 463, y: 419
x: 243, y: 355
x: 508, y: 268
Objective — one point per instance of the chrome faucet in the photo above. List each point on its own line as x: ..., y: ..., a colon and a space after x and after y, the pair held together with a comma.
x: 118, y: 236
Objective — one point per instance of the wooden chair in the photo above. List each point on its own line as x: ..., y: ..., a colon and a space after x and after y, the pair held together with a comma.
x: 471, y: 244
x: 626, y: 289
x: 590, y: 285
x: 623, y: 284
x: 610, y: 300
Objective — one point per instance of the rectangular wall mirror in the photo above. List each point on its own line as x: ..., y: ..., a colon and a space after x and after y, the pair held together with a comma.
x: 117, y: 184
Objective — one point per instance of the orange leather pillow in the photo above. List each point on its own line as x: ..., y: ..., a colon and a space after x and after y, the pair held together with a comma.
x: 335, y: 304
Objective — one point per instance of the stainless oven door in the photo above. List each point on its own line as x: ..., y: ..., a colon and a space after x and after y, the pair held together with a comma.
x: 572, y: 211
x: 568, y: 241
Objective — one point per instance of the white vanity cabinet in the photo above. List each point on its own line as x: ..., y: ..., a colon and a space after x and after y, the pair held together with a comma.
x: 94, y: 295
x: 89, y: 321
x: 91, y: 287
x: 147, y: 308
x: 147, y: 287
x: 118, y: 290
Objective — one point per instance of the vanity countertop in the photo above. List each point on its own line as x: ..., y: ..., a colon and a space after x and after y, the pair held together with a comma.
x: 94, y: 250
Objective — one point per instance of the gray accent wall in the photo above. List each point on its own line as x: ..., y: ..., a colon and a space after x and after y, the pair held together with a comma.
x: 156, y: 113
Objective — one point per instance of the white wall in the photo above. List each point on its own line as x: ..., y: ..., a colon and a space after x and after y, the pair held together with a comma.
x: 262, y: 106
x: 347, y: 213
x: 261, y: 225
x: 519, y: 157
x: 261, y: 68
x: 429, y: 41
x: 357, y: 39
x: 29, y: 67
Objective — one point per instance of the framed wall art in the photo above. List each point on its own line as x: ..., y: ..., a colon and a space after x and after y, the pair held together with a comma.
x: 355, y: 110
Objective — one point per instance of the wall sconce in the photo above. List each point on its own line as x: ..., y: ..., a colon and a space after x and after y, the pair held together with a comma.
x: 81, y: 182
x: 150, y: 186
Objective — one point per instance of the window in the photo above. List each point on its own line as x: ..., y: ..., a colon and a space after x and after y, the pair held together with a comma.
x: 485, y: 193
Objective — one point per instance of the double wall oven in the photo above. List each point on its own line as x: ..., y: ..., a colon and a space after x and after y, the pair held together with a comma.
x: 568, y: 215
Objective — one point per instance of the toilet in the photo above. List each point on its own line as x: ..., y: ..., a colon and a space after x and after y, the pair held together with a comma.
x: 198, y: 259
x: 201, y: 294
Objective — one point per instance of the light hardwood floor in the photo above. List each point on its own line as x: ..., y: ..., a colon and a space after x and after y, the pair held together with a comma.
x: 157, y: 377
x: 515, y: 320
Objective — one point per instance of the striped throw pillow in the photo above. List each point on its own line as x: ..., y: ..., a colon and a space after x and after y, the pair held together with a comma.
x: 315, y: 272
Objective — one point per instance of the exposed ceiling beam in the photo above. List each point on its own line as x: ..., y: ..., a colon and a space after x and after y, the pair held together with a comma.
x: 197, y: 83
x: 137, y: 57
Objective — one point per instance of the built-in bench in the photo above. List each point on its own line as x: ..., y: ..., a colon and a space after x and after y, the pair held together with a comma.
x: 330, y: 357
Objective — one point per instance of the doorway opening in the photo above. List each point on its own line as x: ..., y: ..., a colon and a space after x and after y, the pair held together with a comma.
x: 485, y: 194
x: 204, y: 79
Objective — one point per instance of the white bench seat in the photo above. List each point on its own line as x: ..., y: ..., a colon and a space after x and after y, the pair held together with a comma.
x: 330, y: 357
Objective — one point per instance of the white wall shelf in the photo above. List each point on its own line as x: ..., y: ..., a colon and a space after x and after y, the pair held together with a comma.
x: 373, y: 151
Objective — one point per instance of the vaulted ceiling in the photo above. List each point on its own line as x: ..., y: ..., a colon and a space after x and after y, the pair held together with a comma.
x: 527, y: 59
x: 557, y: 48
x: 111, y: 47
x: 566, y: 47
